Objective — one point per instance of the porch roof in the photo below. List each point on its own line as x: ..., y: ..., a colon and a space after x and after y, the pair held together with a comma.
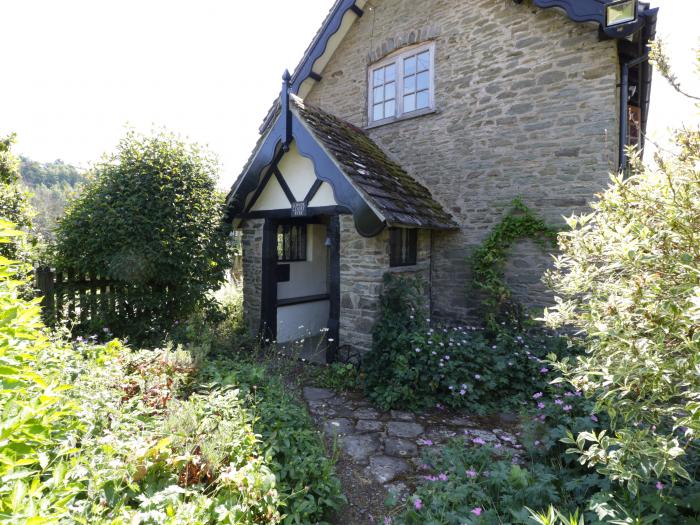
x: 386, y: 186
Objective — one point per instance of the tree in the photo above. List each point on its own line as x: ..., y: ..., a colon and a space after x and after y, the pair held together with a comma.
x: 14, y: 202
x: 628, y: 279
x: 149, y: 218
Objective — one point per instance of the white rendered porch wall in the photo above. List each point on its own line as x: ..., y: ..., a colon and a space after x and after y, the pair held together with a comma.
x: 298, y: 172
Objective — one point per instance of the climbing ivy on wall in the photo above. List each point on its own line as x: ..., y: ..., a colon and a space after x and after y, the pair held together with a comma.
x: 488, y: 262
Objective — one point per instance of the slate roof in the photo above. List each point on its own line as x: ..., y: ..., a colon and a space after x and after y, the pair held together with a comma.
x: 384, y: 184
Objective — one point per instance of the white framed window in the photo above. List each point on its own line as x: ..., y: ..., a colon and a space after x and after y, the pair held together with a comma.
x: 402, y: 84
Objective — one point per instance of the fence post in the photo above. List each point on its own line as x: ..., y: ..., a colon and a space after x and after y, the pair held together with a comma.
x: 44, y: 283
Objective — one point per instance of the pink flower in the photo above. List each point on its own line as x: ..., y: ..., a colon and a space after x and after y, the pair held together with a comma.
x: 442, y: 476
x: 471, y: 473
x: 558, y: 402
x: 425, y: 442
x: 537, y: 395
x: 387, y: 520
x: 659, y: 485
x: 497, y: 445
x: 594, y: 417
x: 540, y: 405
x: 418, y: 504
x: 567, y: 408
x: 544, y: 370
x: 478, y: 441
x: 476, y: 511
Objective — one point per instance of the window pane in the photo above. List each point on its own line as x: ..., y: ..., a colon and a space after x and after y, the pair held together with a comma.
x: 378, y: 94
x: 422, y: 81
x: 390, y: 108
x: 377, y: 113
x: 424, y: 61
x: 390, y: 73
x: 409, y: 103
x: 389, y: 91
x: 409, y: 84
x: 378, y: 76
x: 409, y: 66
x: 422, y: 99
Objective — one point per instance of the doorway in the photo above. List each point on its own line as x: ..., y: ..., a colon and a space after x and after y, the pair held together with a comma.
x: 301, y: 292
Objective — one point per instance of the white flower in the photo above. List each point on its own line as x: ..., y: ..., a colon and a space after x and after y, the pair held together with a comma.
x: 418, y: 350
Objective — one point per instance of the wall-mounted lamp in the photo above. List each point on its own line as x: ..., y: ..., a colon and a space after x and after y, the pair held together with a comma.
x: 620, y: 13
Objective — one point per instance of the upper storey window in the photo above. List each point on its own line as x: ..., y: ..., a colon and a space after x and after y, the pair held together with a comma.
x: 402, y: 85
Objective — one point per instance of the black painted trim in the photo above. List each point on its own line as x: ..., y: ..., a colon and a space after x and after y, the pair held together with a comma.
x: 358, y: 11
x: 333, y: 233
x: 287, y: 214
x: 268, y: 313
x: 293, y: 301
x: 315, y: 76
x: 313, y: 191
x: 285, y: 187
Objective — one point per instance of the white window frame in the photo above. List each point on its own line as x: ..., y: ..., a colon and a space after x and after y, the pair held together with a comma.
x: 397, y: 59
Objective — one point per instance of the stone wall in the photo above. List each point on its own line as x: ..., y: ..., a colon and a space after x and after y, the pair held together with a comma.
x: 363, y: 263
x: 251, y: 243
x: 526, y: 105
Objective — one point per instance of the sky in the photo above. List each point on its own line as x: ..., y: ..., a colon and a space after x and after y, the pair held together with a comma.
x: 78, y: 72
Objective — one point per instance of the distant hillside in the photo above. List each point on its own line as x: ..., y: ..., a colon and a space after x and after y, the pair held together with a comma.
x: 52, y: 184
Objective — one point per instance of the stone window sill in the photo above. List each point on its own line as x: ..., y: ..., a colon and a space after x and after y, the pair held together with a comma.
x: 408, y: 116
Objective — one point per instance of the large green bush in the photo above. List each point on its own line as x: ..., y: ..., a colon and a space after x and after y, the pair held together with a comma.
x: 150, y: 218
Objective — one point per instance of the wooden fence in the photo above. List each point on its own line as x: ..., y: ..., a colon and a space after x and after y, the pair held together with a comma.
x: 83, y: 299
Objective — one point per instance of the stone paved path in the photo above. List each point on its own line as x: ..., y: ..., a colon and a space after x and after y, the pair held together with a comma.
x: 386, y: 446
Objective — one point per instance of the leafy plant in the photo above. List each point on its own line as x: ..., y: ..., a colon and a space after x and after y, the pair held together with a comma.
x: 414, y: 365
x: 150, y: 218
x: 488, y: 261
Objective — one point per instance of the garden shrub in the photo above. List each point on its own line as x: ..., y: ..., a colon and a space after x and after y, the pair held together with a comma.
x: 414, y: 365
x: 629, y: 280
x: 15, y: 204
x: 151, y: 219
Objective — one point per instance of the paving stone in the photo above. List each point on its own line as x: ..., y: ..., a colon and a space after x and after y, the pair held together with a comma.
x: 398, y: 447
x: 360, y: 447
x: 342, y: 425
x: 508, y: 438
x: 439, y: 435
x: 366, y: 413
x: 399, y: 490
x: 317, y: 394
x: 321, y: 408
x: 461, y: 421
x: 385, y: 469
x: 483, y: 434
x: 404, y: 429
x: 402, y: 416
x: 368, y: 425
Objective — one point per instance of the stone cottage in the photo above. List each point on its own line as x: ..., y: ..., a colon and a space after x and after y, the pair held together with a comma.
x: 405, y: 132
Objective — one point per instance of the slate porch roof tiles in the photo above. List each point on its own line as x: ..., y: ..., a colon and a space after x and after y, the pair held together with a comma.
x: 383, y: 183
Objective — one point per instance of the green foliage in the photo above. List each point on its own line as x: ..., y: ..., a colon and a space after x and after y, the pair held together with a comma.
x: 14, y: 202
x: 629, y: 278
x: 489, y: 259
x: 412, y: 365
x: 292, y: 447
x: 340, y: 377
x: 52, y: 185
x: 150, y: 218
